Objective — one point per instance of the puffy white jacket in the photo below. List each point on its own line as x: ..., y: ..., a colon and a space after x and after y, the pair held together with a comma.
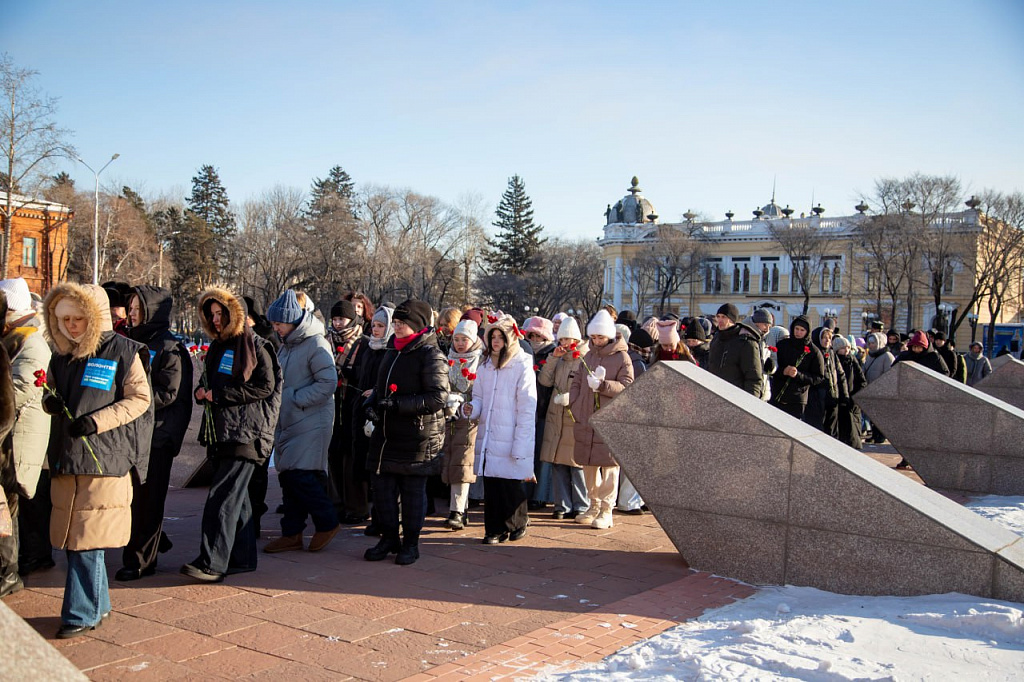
x: 505, y: 402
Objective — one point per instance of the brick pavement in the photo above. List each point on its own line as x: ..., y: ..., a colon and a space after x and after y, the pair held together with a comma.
x: 564, y: 594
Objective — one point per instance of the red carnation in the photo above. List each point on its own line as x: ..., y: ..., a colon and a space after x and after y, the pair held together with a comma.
x: 462, y: 360
x: 340, y: 349
x: 193, y: 348
x: 576, y: 354
x: 205, y: 347
x: 451, y: 362
x: 773, y: 349
x: 543, y: 362
x: 536, y: 368
x: 471, y: 376
x: 393, y: 387
x: 39, y: 373
x: 807, y: 349
x: 465, y: 371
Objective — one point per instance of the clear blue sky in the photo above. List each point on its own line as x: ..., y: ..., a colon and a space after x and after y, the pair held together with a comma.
x: 705, y: 102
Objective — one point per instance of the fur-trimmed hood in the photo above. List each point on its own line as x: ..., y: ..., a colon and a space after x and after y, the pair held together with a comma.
x: 506, y: 324
x: 94, y: 303
x: 235, y: 307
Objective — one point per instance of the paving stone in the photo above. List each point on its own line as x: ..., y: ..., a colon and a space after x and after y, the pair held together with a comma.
x: 181, y: 646
x: 848, y: 523
x: 233, y: 663
x: 143, y: 667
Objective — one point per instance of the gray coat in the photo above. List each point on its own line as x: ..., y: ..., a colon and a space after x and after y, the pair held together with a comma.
x: 307, y: 399
x: 875, y: 365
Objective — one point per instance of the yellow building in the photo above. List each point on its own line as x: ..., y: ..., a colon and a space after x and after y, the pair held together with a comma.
x: 39, y: 241
x: 742, y: 262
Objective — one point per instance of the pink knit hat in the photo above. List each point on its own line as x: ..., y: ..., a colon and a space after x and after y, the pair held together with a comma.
x: 668, y: 332
x: 540, y: 325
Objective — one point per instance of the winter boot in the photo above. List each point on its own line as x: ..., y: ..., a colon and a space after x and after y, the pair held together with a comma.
x: 456, y: 521
x: 388, y: 544
x: 321, y: 539
x: 408, y: 554
x: 285, y: 543
x: 587, y: 517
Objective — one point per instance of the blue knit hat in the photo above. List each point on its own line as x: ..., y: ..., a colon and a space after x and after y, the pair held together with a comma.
x: 285, y: 309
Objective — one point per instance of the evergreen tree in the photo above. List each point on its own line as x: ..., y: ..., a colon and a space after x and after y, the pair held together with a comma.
x: 515, y: 250
x: 209, y: 204
x: 332, y: 195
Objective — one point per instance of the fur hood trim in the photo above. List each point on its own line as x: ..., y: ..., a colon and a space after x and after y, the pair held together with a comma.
x: 236, y: 313
x: 94, y: 303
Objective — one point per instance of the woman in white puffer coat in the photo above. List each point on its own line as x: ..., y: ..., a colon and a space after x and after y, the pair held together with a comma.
x: 505, y: 404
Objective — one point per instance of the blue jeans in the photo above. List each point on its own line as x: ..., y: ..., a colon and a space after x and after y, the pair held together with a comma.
x: 387, y: 488
x: 542, y: 490
x: 229, y: 534
x: 304, y: 493
x: 86, y: 595
x: 570, y: 489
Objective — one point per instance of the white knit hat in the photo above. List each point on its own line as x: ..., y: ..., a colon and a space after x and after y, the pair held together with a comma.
x: 18, y: 296
x: 601, y: 324
x: 467, y: 328
x: 569, y: 329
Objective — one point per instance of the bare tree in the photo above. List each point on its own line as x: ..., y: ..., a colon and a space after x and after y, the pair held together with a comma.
x: 806, y: 246
x: 31, y: 142
x: 272, y: 244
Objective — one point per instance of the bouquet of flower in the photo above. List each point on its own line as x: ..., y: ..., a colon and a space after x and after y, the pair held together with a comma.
x: 209, y: 433
x: 599, y: 376
x: 40, y: 376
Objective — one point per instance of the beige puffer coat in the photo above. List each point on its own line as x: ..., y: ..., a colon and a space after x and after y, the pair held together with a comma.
x: 590, y: 449
x: 559, y: 442
x: 94, y: 512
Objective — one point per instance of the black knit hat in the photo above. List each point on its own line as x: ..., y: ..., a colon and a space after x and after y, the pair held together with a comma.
x: 695, y: 330
x: 641, y: 339
x: 800, y: 321
x: 344, y: 309
x: 416, y: 314
x: 730, y: 311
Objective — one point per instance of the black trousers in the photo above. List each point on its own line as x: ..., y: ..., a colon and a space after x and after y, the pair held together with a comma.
x: 148, y: 511
x: 258, y: 493
x: 412, y: 490
x: 504, y: 505
x: 305, y: 493
x: 228, y: 536
x: 34, y: 524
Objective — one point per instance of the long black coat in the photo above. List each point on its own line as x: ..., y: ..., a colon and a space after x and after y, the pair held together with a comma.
x: 409, y: 437
x: 170, y: 370
x: 823, y: 400
x: 736, y: 357
x: 849, y: 411
x: 810, y: 371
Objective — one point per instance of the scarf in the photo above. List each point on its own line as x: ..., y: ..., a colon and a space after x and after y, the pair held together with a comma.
x: 400, y: 344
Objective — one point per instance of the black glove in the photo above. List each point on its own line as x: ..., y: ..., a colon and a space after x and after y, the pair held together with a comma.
x: 52, y: 404
x: 769, y: 365
x: 387, y: 404
x: 83, y: 426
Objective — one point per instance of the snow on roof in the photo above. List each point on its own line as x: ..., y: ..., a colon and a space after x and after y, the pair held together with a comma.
x: 22, y: 201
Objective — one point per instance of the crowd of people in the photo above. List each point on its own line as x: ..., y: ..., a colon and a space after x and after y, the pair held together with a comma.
x: 370, y: 414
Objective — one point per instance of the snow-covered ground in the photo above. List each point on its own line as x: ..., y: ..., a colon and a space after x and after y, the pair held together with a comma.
x: 801, y: 633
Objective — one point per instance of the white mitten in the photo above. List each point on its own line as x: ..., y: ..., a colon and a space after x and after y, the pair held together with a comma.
x: 368, y: 428
x: 454, y: 400
x: 594, y: 381
x: 600, y: 372
x: 561, y: 399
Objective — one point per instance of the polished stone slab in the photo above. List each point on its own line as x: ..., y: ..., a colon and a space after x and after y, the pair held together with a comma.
x: 25, y: 655
x: 1006, y: 382
x: 748, y: 492
x: 955, y: 436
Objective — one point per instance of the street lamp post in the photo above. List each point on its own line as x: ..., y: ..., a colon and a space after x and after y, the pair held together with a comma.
x: 972, y: 320
x: 96, y: 217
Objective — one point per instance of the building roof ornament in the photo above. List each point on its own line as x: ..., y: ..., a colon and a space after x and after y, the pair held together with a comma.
x: 633, y: 208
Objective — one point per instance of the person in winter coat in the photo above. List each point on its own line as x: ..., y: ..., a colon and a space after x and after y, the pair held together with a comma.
x: 240, y: 391
x: 23, y: 340
x: 304, y: 427
x: 10, y: 581
x: 360, y: 378
x: 849, y: 411
x: 640, y: 345
x: 363, y: 306
x: 978, y: 366
x: 99, y: 378
x: 606, y: 371
x: 824, y: 399
x: 697, y: 341
x: 505, y: 407
x: 670, y: 346
x: 949, y: 356
x: 570, y: 488
x: 149, y: 322
x: 876, y: 363
x: 735, y: 352
x: 894, y: 340
x: 539, y: 333
x: 407, y: 407
x: 919, y: 351
x: 460, y: 434
x: 344, y: 336
x: 259, y: 324
x: 801, y: 368
x: 447, y: 319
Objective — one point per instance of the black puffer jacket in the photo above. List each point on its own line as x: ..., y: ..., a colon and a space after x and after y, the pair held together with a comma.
x: 810, y: 366
x: 736, y: 357
x: 929, y: 358
x: 170, y: 369
x: 408, y: 437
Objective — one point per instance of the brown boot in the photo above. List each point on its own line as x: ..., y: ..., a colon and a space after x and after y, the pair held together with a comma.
x: 287, y: 543
x: 322, y: 539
